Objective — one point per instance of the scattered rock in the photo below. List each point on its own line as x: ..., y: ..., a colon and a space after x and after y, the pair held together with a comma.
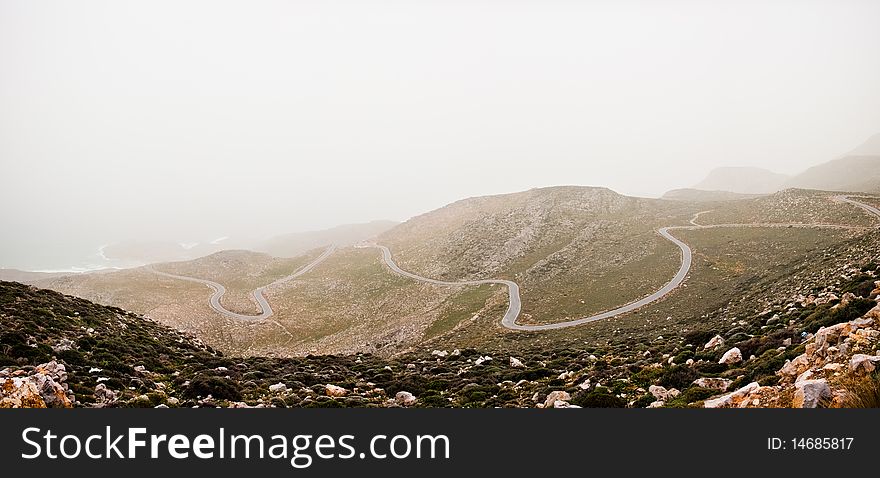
x: 714, y: 342
x: 104, y: 395
x: 278, y: 388
x: 552, y: 397
x: 809, y: 393
x: 721, y: 384
x: 404, y: 399
x: 516, y: 363
x: 732, y: 356
x: 335, y: 391
x: 731, y: 398
x: 45, y: 386
x: 863, y: 363
x: 660, y: 393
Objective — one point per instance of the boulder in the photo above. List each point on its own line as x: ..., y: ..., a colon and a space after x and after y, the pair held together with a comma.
x: 732, y: 356
x: 516, y: 363
x: 278, y: 388
x: 732, y: 398
x: 481, y: 360
x: 20, y: 392
x: 863, y: 363
x: 104, y: 395
x: 721, y: 384
x: 335, y: 391
x: 404, y: 399
x: 795, y: 367
x: 714, y: 342
x: 809, y: 393
x: 439, y: 353
x: 660, y: 393
x: 552, y: 397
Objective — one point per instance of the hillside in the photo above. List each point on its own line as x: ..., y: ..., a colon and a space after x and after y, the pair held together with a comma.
x: 294, y: 244
x: 743, y: 180
x: 850, y: 173
x: 27, y: 276
x: 574, y: 251
x: 699, y: 195
x: 810, y: 341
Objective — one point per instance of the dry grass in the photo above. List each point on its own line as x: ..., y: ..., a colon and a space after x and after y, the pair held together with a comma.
x: 862, y: 392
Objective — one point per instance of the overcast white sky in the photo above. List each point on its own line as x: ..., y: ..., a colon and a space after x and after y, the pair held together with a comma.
x: 190, y: 119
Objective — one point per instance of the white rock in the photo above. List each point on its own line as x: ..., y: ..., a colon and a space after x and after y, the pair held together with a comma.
x: 335, y: 391
x: 404, y: 398
x: 862, y: 362
x: 440, y: 353
x: 660, y: 393
x: 481, y: 360
x: 552, y: 397
x: 721, y: 384
x: 278, y: 388
x: 714, y: 342
x: 657, y: 404
x: 808, y: 393
x: 731, y: 356
x: 516, y: 363
x: 726, y: 400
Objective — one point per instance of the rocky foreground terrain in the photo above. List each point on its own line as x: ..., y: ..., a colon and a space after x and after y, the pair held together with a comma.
x: 819, y: 349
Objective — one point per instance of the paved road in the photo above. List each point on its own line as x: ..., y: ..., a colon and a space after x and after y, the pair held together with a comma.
x: 515, y: 302
x: 256, y: 294
x: 867, y: 207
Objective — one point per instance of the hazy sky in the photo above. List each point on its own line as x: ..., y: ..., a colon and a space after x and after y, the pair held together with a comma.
x: 186, y: 120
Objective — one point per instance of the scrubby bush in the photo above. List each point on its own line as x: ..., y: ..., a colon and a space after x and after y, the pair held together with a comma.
x: 698, y: 337
x: 220, y: 388
x: 679, y: 376
x: 860, y: 285
x: 597, y: 398
x: 825, y: 316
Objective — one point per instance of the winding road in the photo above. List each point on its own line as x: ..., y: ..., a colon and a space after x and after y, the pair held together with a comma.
x: 515, y: 302
x: 256, y: 294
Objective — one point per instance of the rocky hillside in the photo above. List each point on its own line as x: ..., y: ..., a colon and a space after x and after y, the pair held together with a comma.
x: 788, y: 206
x: 572, y: 250
x: 700, y: 195
x: 815, y: 344
x: 850, y: 173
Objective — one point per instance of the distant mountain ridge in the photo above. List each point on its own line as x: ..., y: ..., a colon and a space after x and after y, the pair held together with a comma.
x: 742, y: 180
x: 855, y: 171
